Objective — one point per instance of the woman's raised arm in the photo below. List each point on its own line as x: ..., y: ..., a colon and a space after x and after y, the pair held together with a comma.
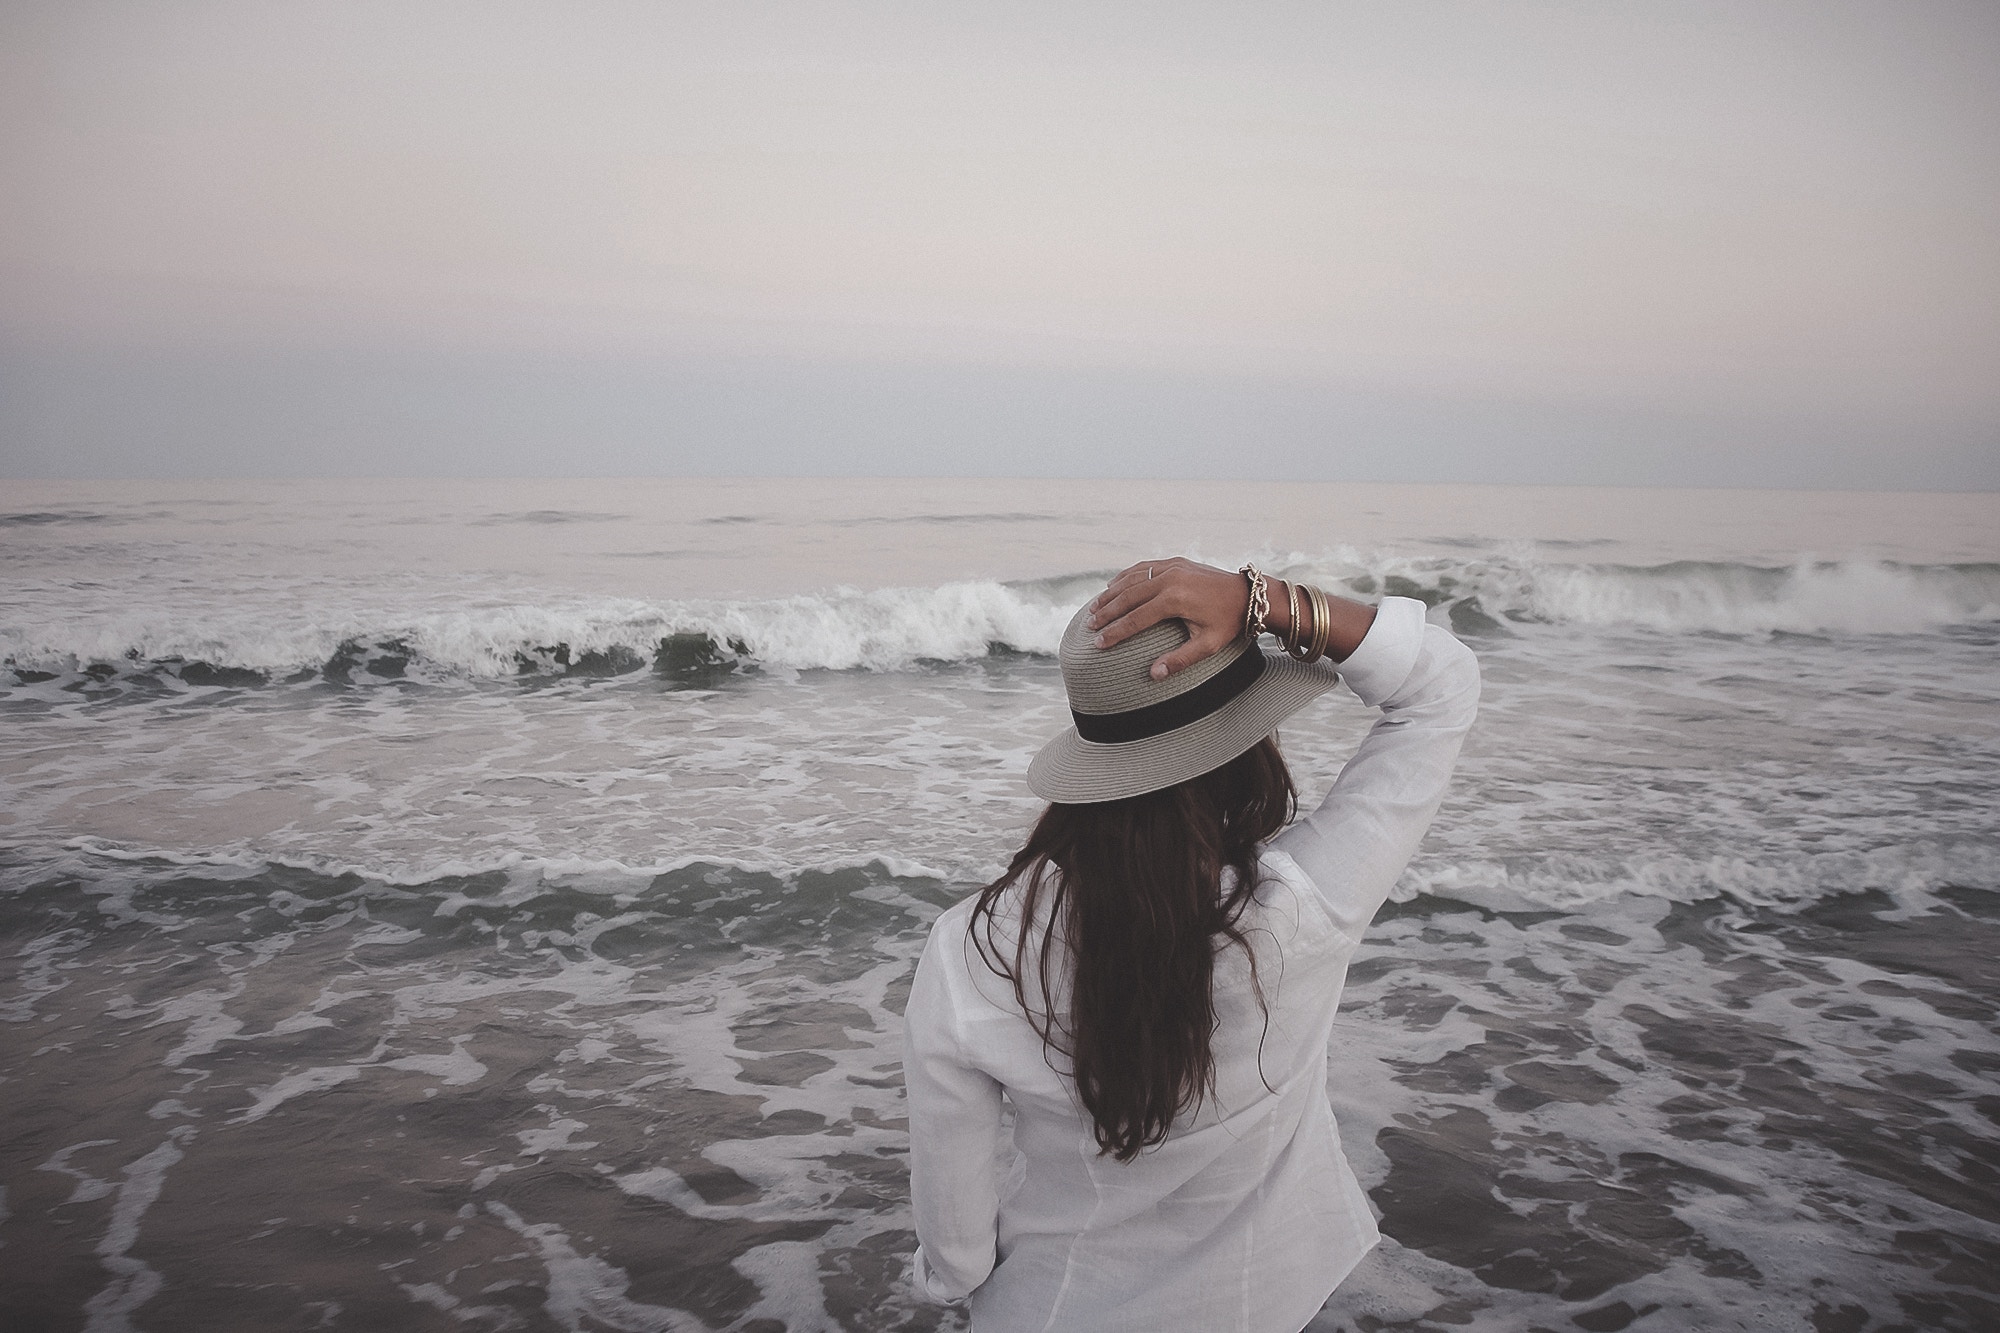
x: 1355, y: 845
x: 1214, y: 603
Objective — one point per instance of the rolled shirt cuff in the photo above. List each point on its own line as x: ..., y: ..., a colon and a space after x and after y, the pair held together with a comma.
x: 1388, y: 653
x: 927, y: 1284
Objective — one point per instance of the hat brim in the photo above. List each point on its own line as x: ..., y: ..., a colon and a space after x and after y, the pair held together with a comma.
x: 1074, y: 771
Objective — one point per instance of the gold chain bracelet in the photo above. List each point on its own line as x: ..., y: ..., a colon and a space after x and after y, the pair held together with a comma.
x: 1260, y: 603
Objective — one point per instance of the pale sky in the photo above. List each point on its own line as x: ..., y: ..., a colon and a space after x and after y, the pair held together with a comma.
x: 1667, y: 243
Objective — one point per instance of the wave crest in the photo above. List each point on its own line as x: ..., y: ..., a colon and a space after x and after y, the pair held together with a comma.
x: 698, y: 641
x: 1851, y: 597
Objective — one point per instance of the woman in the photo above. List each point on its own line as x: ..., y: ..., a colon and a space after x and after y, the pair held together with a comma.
x: 1152, y: 984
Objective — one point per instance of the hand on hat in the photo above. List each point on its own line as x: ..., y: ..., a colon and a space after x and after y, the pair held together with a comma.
x: 1212, y: 601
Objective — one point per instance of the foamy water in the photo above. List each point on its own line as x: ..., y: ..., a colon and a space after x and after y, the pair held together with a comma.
x: 492, y: 903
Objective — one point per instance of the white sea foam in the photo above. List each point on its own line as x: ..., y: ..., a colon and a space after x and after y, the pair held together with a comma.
x: 1849, y: 597
x: 301, y: 1084
x: 327, y: 629
x: 1519, y: 585
x: 526, y: 872
x: 585, y: 1291
x: 1449, y: 1016
x: 456, y: 1069
x: 133, y: 1281
x: 1909, y: 873
x: 1439, y: 1035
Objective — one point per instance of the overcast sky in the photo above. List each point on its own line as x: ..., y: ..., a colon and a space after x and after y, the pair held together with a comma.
x: 1700, y: 244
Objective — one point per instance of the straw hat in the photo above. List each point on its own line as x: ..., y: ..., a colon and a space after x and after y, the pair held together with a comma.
x: 1134, y: 734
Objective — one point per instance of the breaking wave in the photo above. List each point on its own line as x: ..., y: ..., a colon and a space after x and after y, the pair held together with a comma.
x: 238, y: 645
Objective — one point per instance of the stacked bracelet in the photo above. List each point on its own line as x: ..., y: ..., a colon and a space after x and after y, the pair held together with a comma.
x: 1309, y: 607
x: 1322, y: 623
x: 1294, y: 637
x: 1260, y: 603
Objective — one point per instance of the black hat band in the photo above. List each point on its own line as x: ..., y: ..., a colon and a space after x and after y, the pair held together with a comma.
x: 1137, y: 724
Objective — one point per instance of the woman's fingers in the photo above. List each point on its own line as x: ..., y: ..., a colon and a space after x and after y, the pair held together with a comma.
x: 1138, y: 607
x: 1140, y: 596
x: 1138, y: 573
x: 1146, y: 571
x: 1131, y: 588
x: 1100, y: 609
x: 1194, y: 650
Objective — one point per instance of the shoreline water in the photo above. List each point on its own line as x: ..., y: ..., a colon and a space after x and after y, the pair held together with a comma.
x: 400, y: 926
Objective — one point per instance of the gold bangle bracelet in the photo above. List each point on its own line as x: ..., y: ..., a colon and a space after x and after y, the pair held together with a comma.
x: 1292, y: 645
x: 1322, y: 623
x: 1302, y: 627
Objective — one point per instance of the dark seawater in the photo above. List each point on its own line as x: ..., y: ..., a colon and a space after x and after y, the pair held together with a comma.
x: 277, y: 1098
x: 272, y: 1099
x: 1717, y: 1118
x: 406, y: 946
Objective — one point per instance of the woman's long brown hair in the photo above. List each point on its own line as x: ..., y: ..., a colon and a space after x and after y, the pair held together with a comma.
x: 1139, y: 902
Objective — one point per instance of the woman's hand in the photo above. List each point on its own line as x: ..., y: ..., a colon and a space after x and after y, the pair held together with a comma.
x: 1212, y: 601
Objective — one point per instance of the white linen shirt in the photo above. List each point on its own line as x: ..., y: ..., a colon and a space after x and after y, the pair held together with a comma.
x: 1248, y: 1215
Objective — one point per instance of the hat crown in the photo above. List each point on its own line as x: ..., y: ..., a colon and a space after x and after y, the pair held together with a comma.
x: 1119, y: 679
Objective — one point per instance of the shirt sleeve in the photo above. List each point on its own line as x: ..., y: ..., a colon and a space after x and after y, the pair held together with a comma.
x: 1357, y: 842
x: 954, y: 1113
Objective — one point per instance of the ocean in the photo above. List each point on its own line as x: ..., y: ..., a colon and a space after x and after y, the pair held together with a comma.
x: 490, y: 904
